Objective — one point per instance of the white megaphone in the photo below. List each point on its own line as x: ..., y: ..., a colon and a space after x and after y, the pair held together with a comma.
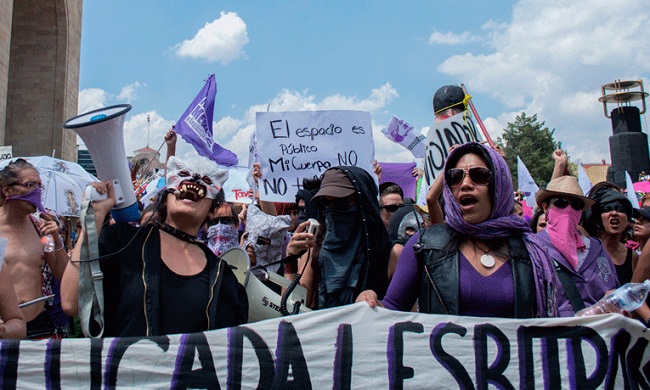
x: 263, y: 303
x: 102, y: 132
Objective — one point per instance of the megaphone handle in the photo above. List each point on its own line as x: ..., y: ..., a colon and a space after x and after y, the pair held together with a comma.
x: 277, y: 279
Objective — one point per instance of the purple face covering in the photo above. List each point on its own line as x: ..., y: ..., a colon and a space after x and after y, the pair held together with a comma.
x: 33, y: 197
x: 222, y: 237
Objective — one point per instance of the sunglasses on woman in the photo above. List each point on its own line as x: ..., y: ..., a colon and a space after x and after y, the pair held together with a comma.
x: 479, y: 175
x: 224, y: 221
x: 561, y: 203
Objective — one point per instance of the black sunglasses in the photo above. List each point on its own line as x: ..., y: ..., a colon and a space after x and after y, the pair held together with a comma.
x: 479, y: 175
x: 613, y: 207
x: 223, y: 221
x: 561, y: 203
x: 391, y: 208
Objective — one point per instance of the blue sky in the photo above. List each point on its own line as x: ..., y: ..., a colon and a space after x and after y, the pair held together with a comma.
x: 539, y: 56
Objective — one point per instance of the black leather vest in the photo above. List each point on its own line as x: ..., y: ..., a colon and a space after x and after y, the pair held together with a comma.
x: 438, y: 263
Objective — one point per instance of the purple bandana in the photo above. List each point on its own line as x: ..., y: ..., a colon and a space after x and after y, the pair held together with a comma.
x: 33, y: 197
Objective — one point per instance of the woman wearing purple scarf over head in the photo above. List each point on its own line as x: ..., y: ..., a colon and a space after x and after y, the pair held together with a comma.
x: 482, y: 261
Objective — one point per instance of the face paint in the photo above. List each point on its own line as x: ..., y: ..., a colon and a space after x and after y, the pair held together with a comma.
x: 195, y: 178
x: 33, y: 197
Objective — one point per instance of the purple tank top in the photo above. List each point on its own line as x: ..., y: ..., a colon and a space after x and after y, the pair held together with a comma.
x: 486, y: 296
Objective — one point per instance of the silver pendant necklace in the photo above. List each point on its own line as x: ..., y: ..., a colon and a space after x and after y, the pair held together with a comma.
x: 486, y: 259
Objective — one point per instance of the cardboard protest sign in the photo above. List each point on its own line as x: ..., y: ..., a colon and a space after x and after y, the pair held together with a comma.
x: 236, y: 188
x: 6, y: 152
x: 458, y: 129
x: 400, y: 174
x: 350, y: 347
x: 295, y: 145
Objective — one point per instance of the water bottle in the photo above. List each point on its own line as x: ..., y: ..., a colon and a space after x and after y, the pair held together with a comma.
x: 627, y: 297
x: 48, y: 243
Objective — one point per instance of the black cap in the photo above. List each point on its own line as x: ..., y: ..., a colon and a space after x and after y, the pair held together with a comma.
x: 642, y: 212
x: 448, y: 96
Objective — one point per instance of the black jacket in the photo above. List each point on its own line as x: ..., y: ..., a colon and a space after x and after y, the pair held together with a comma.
x: 437, y: 253
x: 131, y: 284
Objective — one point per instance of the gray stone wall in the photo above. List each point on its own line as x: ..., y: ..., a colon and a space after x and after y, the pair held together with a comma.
x: 6, y: 10
x: 43, y: 76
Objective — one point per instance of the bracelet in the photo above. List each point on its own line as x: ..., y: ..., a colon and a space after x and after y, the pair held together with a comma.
x: 57, y: 247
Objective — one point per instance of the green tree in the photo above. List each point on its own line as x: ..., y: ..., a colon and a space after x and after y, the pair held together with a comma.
x: 534, y: 144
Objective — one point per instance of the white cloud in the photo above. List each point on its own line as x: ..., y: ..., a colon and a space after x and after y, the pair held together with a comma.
x: 451, y: 38
x: 128, y: 93
x: 552, y: 58
x: 221, y: 40
x: 91, y: 99
x: 235, y: 134
x: 95, y: 98
x: 138, y: 132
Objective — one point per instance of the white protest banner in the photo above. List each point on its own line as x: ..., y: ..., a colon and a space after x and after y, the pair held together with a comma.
x: 6, y: 152
x: 458, y: 129
x: 236, y: 188
x: 401, y: 132
x: 295, y: 145
x: 351, y: 347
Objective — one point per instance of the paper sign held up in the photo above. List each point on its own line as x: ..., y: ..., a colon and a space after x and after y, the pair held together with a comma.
x: 292, y: 146
x: 236, y: 188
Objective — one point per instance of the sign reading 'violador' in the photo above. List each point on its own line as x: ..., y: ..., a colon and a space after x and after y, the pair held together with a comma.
x: 455, y: 130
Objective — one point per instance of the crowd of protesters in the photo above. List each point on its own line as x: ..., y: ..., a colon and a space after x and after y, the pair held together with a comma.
x: 469, y: 251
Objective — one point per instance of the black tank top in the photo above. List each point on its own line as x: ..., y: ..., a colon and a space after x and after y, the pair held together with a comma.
x: 624, y: 271
x: 183, y: 301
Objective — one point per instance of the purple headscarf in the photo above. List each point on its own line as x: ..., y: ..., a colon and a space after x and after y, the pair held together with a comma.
x: 502, y: 224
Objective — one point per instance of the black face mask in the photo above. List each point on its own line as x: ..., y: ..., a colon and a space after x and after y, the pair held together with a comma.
x: 343, y: 252
x: 302, y: 217
x: 343, y: 227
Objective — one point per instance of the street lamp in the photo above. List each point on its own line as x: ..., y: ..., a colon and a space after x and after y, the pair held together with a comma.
x: 628, y: 146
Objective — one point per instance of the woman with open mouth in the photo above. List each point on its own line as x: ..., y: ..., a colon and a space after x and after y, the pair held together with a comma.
x: 160, y: 279
x: 483, y: 261
x: 608, y: 220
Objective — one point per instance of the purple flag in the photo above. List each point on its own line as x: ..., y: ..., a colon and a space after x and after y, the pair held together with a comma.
x: 195, y: 126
